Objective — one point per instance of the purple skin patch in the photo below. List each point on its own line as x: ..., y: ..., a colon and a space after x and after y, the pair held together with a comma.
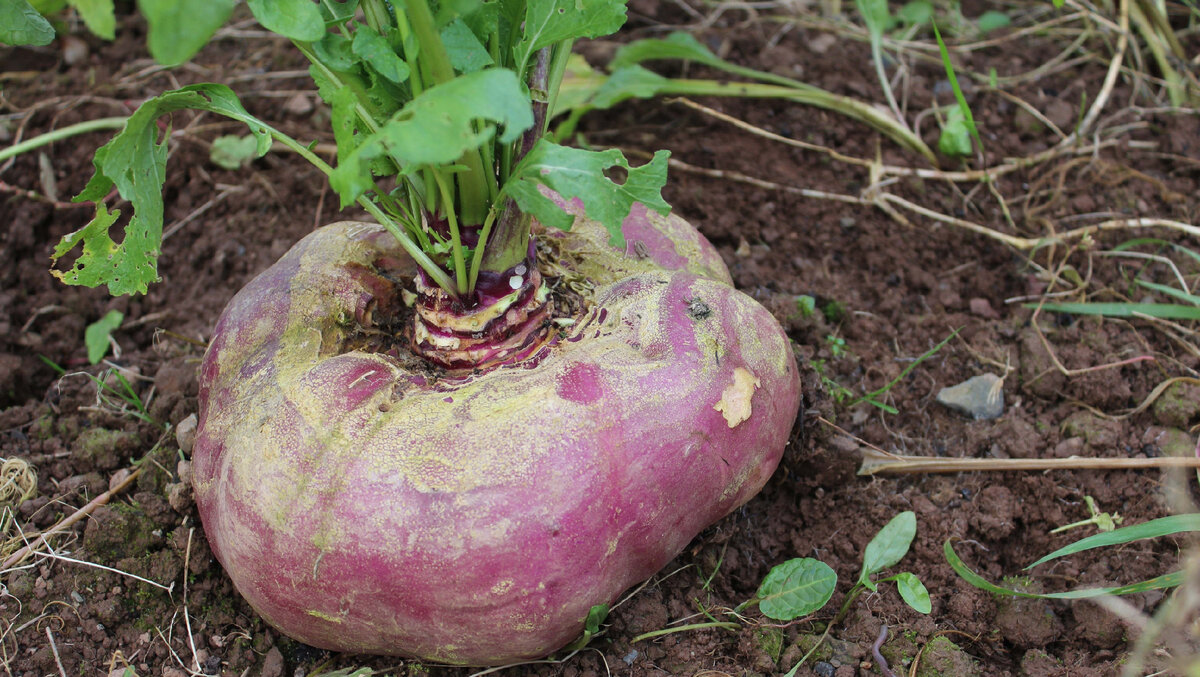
x: 360, y: 504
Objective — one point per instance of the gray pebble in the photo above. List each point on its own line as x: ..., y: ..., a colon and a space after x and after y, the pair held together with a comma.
x: 981, y: 397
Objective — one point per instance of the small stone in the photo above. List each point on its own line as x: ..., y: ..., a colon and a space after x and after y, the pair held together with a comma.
x: 273, y: 663
x: 823, y: 669
x: 821, y: 43
x: 171, y: 671
x: 983, y: 308
x: 298, y: 105
x: 179, y: 496
x: 185, y: 433
x: 980, y: 397
x: 184, y: 470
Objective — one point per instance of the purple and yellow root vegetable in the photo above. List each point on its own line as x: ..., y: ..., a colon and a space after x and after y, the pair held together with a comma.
x: 364, y: 501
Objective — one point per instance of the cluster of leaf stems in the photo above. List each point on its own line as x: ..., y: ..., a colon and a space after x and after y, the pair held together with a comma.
x: 469, y: 194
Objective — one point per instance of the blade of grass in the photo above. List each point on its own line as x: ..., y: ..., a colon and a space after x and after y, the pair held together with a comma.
x: 1171, y: 291
x: 1163, y: 526
x: 1170, y: 580
x: 872, y: 396
x: 1162, y: 311
x: 958, y: 94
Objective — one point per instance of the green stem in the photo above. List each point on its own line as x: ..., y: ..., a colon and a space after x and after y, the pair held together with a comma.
x: 808, y: 95
x: 422, y: 259
x: 477, y: 257
x: 460, y: 266
x: 558, y: 68
x: 433, y: 52
x: 60, y: 134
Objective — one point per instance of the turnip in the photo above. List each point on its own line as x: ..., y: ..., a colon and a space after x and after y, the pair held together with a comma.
x: 525, y: 387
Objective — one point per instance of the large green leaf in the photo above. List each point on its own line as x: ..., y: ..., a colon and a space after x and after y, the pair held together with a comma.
x: 135, y: 162
x: 98, y: 15
x: 295, y: 19
x: 20, y: 24
x: 179, y: 28
x: 438, y: 126
x: 550, y: 21
x: 796, y: 588
x: 572, y: 172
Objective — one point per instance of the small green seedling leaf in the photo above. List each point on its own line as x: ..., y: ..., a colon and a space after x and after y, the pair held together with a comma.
x: 807, y: 305
x: 888, y: 547
x: 179, y: 28
x: 98, y: 16
x: 1163, y: 526
x: 1170, y: 580
x: 596, y: 616
x: 232, y: 151
x: 96, y: 336
x: 20, y: 24
x: 968, y: 118
x: 796, y: 588
x: 913, y: 591
x: 438, y: 126
x: 572, y: 172
x: 135, y: 161
x: 992, y: 20
x: 955, y: 139
x: 916, y: 12
x: 295, y: 19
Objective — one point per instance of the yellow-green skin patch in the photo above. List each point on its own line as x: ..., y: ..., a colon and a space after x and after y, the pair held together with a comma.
x: 361, y: 505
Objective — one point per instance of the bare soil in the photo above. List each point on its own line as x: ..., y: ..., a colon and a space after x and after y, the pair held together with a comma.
x: 886, y: 292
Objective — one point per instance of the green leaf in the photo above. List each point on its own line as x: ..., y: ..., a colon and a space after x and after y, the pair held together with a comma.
x: 913, y: 591
x: 916, y: 12
x: 232, y: 151
x: 796, y: 588
x: 296, y: 19
x: 551, y: 21
x: 438, y: 126
x: 1163, y: 526
x: 95, y: 337
x: 955, y: 139
x: 968, y: 118
x: 888, y: 546
x: 1170, y: 580
x: 334, y: 12
x: 595, y: 617
x: 572, y: 172
x: 626, y: 83
x: 876, y: 15
x: 373, y: 48
x: 1163, y: 311
x: 179, y: 28
x: 678, y: 45
x: 467, y: 53
x: 992, y: 20
x: 135, y: 162
x: 335, y: 51
x: 20, y: 24
x: 98, y: 16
